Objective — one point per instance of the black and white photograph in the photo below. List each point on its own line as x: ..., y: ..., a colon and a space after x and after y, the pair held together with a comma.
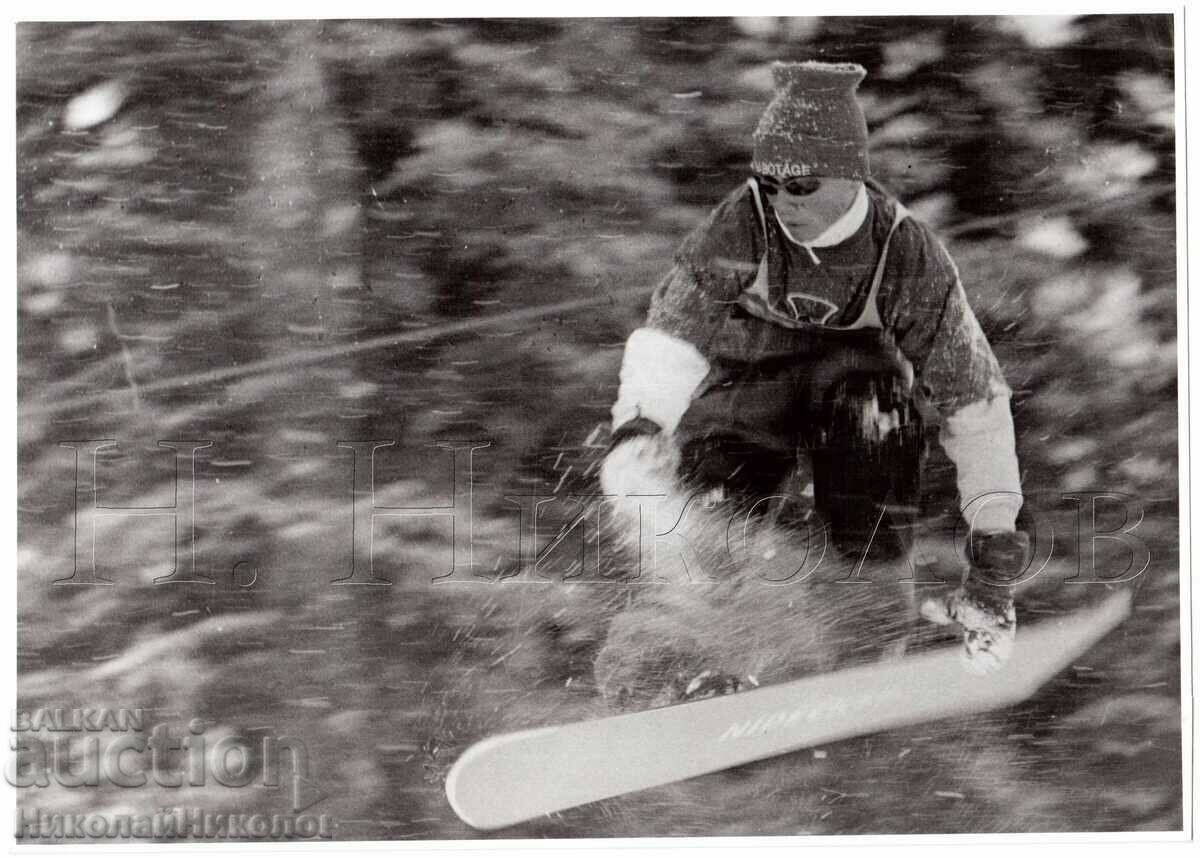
x: 587, y: 428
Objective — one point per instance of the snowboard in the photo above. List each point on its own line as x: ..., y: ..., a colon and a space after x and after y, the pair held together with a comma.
x: 510, y: 778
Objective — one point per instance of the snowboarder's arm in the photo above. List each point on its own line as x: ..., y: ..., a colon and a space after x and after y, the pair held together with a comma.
x: 665, y: 360
x: 939, y: 333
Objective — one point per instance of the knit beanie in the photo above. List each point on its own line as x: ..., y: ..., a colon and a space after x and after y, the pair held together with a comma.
x: 814, y: 126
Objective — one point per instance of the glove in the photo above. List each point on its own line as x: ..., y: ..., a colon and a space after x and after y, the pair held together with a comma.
x: 998, y: 557
x: 869, y: 356
x: 988, y: 621
x: 641, y: 460
x: 983, y: 606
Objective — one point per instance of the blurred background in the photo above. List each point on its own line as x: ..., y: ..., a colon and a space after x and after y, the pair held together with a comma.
x: 281, y: 236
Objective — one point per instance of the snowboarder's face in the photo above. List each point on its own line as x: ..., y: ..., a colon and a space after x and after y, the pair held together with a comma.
x: 810, y: 205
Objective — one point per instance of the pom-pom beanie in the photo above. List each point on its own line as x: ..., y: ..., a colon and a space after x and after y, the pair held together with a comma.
x: 814, y: 125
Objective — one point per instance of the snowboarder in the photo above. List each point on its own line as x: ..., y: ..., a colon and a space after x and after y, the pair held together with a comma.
x: 796, y: 341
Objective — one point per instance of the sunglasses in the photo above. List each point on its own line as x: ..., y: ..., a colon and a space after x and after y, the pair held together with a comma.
x: 801, y: 186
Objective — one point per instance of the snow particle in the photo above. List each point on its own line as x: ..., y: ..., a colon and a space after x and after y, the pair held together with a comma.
x: 1043, y: 31
x: 49, y: 269
x: 78, y: 339
x: 94, y: 106
x: 1056, y: 237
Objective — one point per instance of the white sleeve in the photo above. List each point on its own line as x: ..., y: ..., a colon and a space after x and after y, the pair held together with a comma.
x: 659, y: 375
x: 980, y: 441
